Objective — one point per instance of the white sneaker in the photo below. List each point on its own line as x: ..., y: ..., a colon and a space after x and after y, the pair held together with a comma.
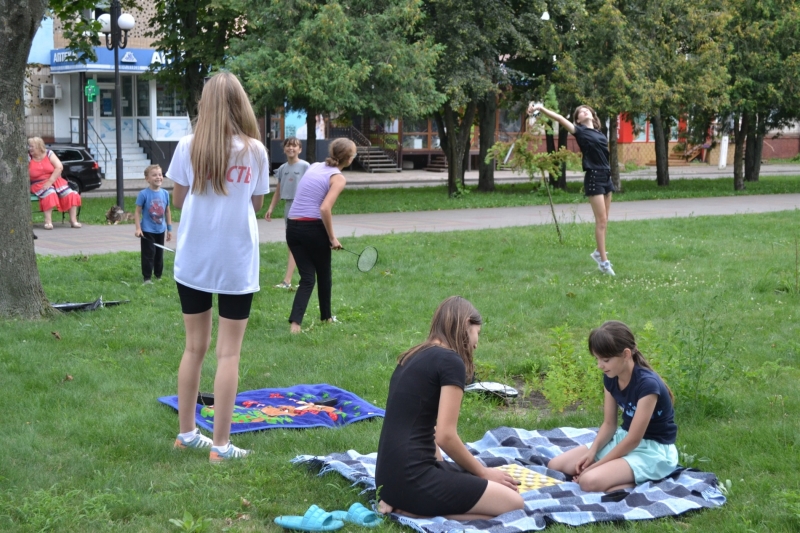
x: 596, y: 256
x: 605, y: 268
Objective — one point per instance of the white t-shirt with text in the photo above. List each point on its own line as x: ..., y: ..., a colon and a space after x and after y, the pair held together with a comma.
x: 217, y: 248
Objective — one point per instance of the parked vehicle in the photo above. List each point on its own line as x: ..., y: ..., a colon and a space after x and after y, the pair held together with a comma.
x: 80, y: 169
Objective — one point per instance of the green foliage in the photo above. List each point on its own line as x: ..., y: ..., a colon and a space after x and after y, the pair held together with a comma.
x: 690, y: 460
x: 790, y: 499
x: 345, y: 56
x: 572, y: 375
x: 526, y: 157
x: 194, y: 37
x: 696, y: 361
x: 190, y: 524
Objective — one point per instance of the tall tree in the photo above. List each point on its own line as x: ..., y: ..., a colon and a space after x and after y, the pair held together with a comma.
x: 339, y: 56
x: 21, y: 292
x: 194, y: 36
x: 764, y: 68
x: 683, y: 65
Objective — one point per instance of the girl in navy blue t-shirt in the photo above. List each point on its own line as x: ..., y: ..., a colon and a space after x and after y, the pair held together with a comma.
x: 643, y: 448
x: 597, y: 186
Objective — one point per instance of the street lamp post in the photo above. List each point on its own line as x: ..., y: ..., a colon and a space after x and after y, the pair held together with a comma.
x: 116, y: 26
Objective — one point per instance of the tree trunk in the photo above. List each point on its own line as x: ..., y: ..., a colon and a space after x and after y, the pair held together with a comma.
x: 21, y: 292
x: 754, y: 148
x: 759, y: 150
x: 487, y: 116
x: 613, y: 153
x: 563, y: 137
x: 662, y: 150
x: 750, y: 148
x: 454, y: 135
x: 739, y: 133
x: 465, y: 163
x: 311, y: 136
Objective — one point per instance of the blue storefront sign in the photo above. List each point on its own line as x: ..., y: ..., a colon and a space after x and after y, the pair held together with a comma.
x: 131, y: 60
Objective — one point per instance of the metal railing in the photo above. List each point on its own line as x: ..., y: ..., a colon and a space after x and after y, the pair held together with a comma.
x: 94, y: 143
x: 388, y: 144
x: 149, y: 138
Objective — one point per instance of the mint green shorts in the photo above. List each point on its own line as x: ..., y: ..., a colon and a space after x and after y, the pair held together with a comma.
x: 650, y: 460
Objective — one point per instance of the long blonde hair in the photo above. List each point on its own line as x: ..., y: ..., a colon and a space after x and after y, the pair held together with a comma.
x: 450, y: 326
x: 611, y: 339
x: 224, y: 111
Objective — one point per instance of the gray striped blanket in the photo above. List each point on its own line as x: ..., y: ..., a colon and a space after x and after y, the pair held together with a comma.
x: 684, y: 490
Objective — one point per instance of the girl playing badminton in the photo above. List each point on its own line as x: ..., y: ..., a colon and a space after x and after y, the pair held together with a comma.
x: 221, y: 174
x: 422, y: 416
x: 644, y: 447
x: 597, y: 180
x: 309, y: 230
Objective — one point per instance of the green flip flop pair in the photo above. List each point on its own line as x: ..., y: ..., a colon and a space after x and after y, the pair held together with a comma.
x: 317, y: 519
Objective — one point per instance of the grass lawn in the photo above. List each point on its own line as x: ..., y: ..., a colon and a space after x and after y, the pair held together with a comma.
x: 358, y: 201
x: 713, y: 301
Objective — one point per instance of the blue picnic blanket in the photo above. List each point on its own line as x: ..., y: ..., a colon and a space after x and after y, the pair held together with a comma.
x: 292, y: 407
x: 684, y: 490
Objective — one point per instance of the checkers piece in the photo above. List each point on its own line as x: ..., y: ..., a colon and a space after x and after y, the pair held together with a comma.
x: 527, y: 478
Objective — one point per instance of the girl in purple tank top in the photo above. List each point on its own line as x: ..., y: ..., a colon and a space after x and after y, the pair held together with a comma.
x: 309, y: 230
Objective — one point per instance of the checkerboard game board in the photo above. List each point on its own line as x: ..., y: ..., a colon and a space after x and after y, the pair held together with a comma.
x: 527, y: 478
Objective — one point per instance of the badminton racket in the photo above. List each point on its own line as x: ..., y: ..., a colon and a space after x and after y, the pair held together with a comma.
x: 366, y: 259
x: 157, y: 245
x: 533, y: 116
x: 508, y: 155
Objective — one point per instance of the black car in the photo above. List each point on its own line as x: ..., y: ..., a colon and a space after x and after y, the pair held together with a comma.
x: 80, y: 169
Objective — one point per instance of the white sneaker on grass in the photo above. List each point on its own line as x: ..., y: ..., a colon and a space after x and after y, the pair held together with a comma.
x: 605, y: 268
x: 596, y: 256
x: 220, y: 454
x: 198, y: 441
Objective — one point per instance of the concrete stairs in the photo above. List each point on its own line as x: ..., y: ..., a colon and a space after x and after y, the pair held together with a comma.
x: 438, y: 163
x: 374, y: 159
x: 134, y: 161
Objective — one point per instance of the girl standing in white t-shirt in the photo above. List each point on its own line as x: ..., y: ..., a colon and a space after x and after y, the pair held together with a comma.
x: 221, y: 174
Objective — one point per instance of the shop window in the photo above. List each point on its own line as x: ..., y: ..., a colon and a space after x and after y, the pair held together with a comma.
x: 142, y: 97
x: 75, y: 95
x: 167, y: 102
x: 127, y: 96
x: 275, y: 127
x: 416, y: 133
x: 639, y: 128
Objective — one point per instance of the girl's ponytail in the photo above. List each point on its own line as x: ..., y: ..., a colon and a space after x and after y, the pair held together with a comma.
x: 339, y: 151
x: 639, y: 359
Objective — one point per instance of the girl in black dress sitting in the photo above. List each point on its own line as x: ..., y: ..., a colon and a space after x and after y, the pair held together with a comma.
x: 422, y: 417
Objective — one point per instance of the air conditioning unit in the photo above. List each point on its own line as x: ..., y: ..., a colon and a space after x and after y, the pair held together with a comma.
x: 49, y: 91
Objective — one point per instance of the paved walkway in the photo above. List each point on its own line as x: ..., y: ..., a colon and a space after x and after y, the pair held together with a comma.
x: 423, y: 178
x: 64, y: 240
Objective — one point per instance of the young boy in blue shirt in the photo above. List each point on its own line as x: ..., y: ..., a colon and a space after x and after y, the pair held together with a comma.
x: 153, y: 221
x: 288, y: 175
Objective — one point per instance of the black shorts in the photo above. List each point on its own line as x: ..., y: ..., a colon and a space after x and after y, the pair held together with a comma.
x: 231, y: 306
x: 596, y: 182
